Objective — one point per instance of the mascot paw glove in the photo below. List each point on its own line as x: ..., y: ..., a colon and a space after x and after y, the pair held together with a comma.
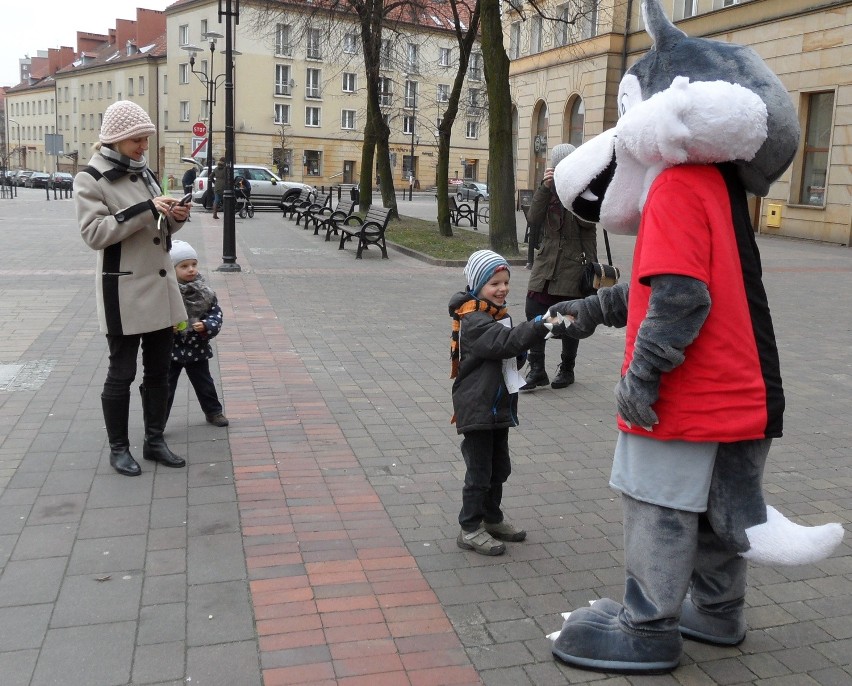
x: 634, y: 397
x: 583, y: 324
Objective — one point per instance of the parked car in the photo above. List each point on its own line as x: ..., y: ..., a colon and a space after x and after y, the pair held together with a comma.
x: 267, y: 189
x: 61, y: 180
x: 37, y: 180
x: 471, y: 190
x: 22, y: 176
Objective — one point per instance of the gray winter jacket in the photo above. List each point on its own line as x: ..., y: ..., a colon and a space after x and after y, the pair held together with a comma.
x: 136, y: 286
x: 481, y: 400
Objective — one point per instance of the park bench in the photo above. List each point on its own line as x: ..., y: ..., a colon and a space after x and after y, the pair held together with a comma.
x: 369, y: 231
x: 343, y: 210
x: 460, y: 211
x: 288, y: 206
x: 305, y: 211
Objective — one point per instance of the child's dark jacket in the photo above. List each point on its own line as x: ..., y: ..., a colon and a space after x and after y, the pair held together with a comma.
x: 192, y: 346
x: 481, y: 400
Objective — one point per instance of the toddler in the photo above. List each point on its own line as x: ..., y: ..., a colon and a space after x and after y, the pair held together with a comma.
x: 191, y: 349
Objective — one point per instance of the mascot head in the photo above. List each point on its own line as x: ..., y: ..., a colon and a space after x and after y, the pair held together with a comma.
x: 687, y: 101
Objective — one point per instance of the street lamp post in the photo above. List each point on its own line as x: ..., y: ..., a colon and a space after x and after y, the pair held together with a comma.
x: 210, y: 84
x: 18, y: 124
x: 230, y: 10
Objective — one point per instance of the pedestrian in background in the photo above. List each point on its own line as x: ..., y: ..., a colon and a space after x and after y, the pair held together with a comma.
x: 124, y: 216
x: 188, y: 179
x: 192, y: 350
x: 565, y: 245
x: 484, y: 352
x: 218, y: 186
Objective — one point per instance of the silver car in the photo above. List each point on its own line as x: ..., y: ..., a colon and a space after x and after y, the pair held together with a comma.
x: 267, y: 189
x: 471, y: 190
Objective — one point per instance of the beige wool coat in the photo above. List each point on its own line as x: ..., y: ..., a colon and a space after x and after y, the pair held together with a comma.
x: 135, y: 283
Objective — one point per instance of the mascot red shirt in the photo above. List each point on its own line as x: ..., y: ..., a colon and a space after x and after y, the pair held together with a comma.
x: 713, y: 395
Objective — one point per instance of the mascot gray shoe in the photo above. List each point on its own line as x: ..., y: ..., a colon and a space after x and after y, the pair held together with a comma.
x: 702, y: 123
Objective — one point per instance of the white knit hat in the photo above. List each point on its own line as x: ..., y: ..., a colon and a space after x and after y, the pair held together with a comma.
x: 123, y: 120
x: 560, y: 152
x: 181, y: 250
x: 480, y: 267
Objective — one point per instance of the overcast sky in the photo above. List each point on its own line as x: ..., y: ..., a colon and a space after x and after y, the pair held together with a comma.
x: 27, y: 26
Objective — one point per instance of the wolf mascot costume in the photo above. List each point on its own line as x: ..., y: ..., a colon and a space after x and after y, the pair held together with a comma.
x: 700, y: 398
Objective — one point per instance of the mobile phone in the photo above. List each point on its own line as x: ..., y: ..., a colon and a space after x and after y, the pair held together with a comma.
x: 185, y: 199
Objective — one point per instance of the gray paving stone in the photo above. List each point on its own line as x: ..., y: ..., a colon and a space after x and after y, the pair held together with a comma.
x: 103, y: 555
x: 215, y: 558
x: 23, y: 627
x: 17, y: 667
x: 29, y: 582
x: 164, y: 623
x: 86, y: 656
x: 98, y: 599
x: 218, y: 612
x: 105, y: 522
x: 49, y: 540
x: 153, y: 663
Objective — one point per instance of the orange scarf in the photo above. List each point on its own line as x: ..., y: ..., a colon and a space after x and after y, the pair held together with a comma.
x: 472, y: 305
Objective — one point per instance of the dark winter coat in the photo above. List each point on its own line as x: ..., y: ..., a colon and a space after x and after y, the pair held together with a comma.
x: 190, y: 345
x: 563, y: 239
x: 481, y: 400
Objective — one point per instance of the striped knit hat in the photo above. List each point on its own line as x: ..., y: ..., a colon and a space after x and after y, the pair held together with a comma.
x: 480, y: 267
x: 123, y: 120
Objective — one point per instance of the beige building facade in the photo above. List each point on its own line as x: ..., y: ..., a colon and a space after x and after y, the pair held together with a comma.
x: 300, y: 95
x: 564, y: 78
x: 30, y: 115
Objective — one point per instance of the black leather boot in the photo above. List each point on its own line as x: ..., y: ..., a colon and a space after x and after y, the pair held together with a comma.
x: 537, y: 376
x: 565, y: 371
x: 116, y: 410
x: 155, y: 411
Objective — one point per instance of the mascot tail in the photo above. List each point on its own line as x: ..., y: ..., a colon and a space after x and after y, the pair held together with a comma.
x: 779, y: 541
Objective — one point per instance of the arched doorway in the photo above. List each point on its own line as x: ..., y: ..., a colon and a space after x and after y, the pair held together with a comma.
x: 573, y: 121
x: 538, y: 143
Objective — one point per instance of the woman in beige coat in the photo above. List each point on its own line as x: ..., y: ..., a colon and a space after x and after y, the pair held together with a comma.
x: 123, y: 215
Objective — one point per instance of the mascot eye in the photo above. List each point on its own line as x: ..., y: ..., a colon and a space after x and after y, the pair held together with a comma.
x: 623, y: 106
x: 629, y: 93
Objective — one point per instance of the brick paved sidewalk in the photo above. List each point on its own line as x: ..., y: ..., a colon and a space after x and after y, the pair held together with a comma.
x: 313, y: 541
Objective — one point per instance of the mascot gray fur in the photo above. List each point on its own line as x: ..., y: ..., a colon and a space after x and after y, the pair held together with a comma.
x: 700, y: 399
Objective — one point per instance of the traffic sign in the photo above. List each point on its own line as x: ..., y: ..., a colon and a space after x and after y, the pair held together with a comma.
x: 199, y: 129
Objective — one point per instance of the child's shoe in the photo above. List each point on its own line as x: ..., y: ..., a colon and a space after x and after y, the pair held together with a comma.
x: 217, y: 419
x: 480, y: 541
x: 505, y: 531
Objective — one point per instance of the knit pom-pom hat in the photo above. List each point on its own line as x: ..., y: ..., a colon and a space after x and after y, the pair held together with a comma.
x: 181, y: 250
x: 123, y: 120
x: 480, y: 267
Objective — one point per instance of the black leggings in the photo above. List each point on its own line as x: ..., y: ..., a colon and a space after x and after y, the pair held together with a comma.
x: 123, y: 350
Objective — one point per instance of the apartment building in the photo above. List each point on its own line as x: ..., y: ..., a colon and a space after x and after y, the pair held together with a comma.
x: 300, y: 93
x: 566, y: 66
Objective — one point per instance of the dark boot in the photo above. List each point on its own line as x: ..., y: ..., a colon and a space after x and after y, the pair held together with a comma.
x: 565, y: 371
x: 116, y: 411
x: 537, y: 376
x: 154, y: 411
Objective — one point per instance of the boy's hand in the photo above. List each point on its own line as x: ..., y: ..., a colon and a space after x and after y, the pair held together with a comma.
x: 199, y: 327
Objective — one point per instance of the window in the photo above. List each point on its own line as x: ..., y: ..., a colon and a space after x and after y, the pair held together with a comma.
x: 515, y: 40
x: 349, y: 82
x: 183, y: 73
x: 472, y: 129
x: 473, y: 98
x: 576, y: 121
x: 347, y: 119
x: 350, y: 43
x: 109, y: 91
x: 314, y: 44
x: 410, y: 94
x: 91, y: 91
x: 445, y: 57
x: 386, y: 55
x: 141, y: 83
x: 817, y: 134
x: 562, y: 27
x: 474, y: 67
x: 535, y: 35
x: 165, y: 85
x: 282, y: 40
x: 587, y: 22
x: 92, y: 121
x: 184, y: 110
x: 204, y: 110
x: 204, y: 68
x: 203, y: 27
x: 312, y: 116
x: 443, y: 92
x: 282, y: 79
x: 313, y: 162
x: 100, y: 90
x: 130, y: 86
x: 385, y: 91
x: 411, y: 62
x: 183, y: 34
x: 282, y: 113
x: 312, y: 83
x: 83, y: 123
x: 408, y: 124
x: 687, y: 8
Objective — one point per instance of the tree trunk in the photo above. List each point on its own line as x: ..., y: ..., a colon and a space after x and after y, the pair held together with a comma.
x: 501, y: 172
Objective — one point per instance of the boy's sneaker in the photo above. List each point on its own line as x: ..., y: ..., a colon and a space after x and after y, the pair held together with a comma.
x: 217, y: 419
x: 505, y: 531
x: 480, y: 541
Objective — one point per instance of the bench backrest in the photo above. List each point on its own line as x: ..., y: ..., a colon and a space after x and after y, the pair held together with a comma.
x: 321, y: 199
x: 377, y: 214
x: 451, y: 201
x: 345, y: 207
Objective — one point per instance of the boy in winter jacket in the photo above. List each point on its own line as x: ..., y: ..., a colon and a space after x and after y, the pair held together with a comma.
x: 191, y: 350
x: 485, y: 353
